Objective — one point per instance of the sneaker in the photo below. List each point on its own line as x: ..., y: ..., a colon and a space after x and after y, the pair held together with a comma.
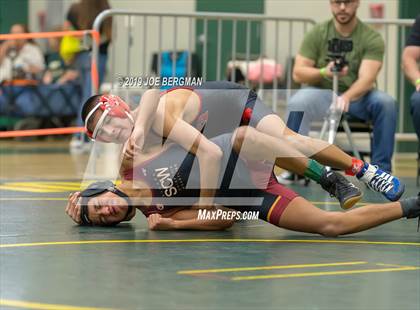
x: 289, y: 178
x: 79, y: 146
x: 382, y: 182
x: 341, y: 188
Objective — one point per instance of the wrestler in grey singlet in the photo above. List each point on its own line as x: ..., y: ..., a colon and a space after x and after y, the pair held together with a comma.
x: 174, y: 178
x: 175, y: 173
x: 225, y: 106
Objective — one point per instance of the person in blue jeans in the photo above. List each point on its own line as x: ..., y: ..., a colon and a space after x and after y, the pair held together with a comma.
x: 81, y: 16
x: 83, y: 65
x: 410, y: 58
x: 357, y: 95
x: 376, y: 106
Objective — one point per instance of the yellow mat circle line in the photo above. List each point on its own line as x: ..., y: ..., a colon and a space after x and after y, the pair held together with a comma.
x: 324, y: 273
x: 36, y: 305
x: 359, y: 242
x: 255, y: 268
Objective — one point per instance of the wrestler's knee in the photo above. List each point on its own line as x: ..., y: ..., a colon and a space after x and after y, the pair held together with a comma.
x: 332, y: 226
x: 244, y: 134
x: 381, y: 101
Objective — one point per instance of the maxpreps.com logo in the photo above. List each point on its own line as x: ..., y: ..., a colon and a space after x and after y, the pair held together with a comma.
x: 163, y: 176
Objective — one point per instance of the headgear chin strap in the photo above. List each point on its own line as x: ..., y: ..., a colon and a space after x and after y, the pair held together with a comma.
x: 96, y: 189
x: 110, y: 105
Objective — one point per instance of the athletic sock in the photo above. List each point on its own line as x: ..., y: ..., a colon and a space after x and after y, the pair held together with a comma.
x: 314, y: 170
x: 356, y: 166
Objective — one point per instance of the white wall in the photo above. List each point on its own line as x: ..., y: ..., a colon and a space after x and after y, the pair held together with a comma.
x: 137, y: 60
x: 56, y: 11
x: 174, y: 6
x: 35, y: 7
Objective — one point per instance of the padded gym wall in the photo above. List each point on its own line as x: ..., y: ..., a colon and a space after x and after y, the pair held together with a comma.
x: 232, y: 6
x: 12, y: 12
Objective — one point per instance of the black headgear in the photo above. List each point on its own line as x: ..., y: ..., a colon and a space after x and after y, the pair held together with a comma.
x: 96, y: 189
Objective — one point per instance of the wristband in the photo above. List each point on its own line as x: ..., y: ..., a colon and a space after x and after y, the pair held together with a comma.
x: 417, y: 82
x: 323, y: 72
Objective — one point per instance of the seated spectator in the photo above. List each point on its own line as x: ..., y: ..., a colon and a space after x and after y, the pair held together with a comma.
x: 57, y: 70
x: 357, y: 80
x: 410, y: 59
x: 20, y: 59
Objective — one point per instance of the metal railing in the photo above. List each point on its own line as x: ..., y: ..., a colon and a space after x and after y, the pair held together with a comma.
x: 278, y: 38
x: 391, y: 78
x: 181, y: 31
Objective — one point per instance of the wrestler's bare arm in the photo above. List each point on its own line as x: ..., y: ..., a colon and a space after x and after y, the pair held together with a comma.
x: 145, y: 112
x: 186, y: 219
x: 169, y: 123
x: 144, y: 116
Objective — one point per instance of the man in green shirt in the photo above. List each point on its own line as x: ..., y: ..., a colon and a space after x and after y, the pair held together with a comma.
x: 357, y: 93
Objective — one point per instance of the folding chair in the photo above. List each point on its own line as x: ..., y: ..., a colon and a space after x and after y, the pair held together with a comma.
x: 350, y: 124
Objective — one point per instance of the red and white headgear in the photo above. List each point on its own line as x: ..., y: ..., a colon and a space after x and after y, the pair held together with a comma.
x: 111, y: 105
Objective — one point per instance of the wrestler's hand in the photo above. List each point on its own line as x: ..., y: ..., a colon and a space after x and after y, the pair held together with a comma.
x: 157, y: 222
x: 73, y: 208
x: 135, y: 142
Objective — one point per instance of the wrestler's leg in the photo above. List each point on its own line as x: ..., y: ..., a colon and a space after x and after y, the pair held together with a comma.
x: 301, y: 215
x: 389, y: 186
x: 259, y: 146
x: 283, y: 207
x: 256, y: 147
x: 320, y: 150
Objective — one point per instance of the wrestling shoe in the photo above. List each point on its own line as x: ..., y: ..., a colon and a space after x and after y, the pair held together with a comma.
x: 411, y: 208
x: 341, y: 188
x: 414, y: 210
x: 382, y: 182
x: 80, y: 144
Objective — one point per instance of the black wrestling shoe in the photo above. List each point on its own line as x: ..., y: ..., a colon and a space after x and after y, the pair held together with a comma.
x: 415, y: 212
x: 341, y: 188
